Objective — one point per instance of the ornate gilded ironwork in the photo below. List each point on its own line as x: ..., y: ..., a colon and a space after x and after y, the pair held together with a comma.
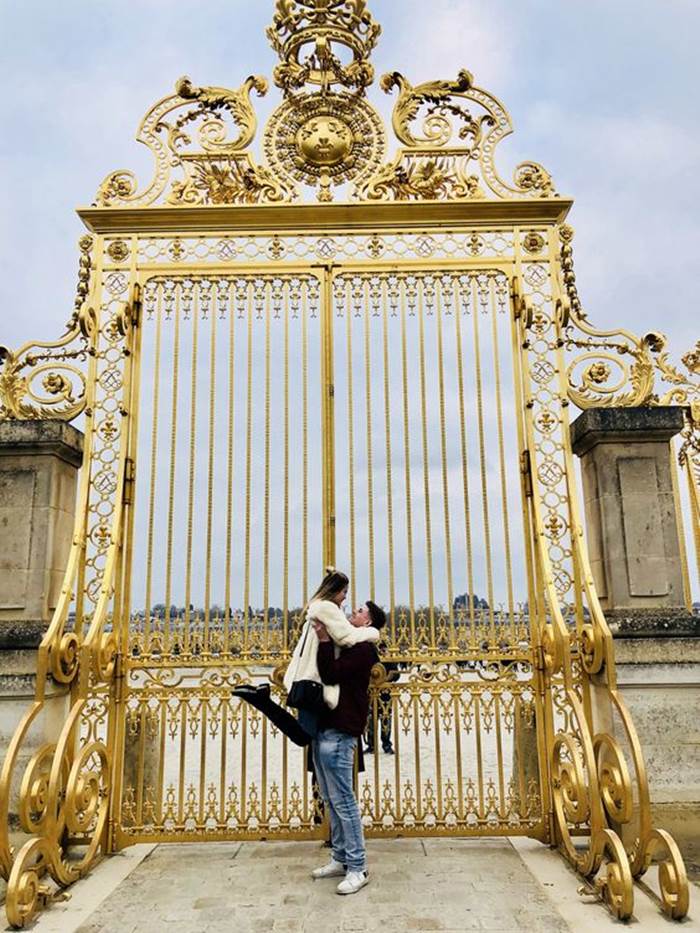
x: 444, y: 161
x: 220, y: 171
x: 305, y: 26
x: 616, y: 368
x: 689, y: 457
x: 44, y: 380
x: 412, y: 353
x: 325, y: 140
x: 325, y: 133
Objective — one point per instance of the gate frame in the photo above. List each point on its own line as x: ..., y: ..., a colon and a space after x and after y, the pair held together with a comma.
x: 326, y: 274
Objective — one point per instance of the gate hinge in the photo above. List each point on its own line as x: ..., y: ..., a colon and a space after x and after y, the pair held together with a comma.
x: 522, y: 309
x: 516, y: 298
x: 119, y: 675
x: 526, y: 470
x: 136, y: 306
x: 129, y: 477
x: 540, y: 664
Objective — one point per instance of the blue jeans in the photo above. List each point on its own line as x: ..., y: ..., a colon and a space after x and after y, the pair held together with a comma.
x: 334, y: 756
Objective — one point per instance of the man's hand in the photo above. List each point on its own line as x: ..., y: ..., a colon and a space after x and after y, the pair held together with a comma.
x: 321, y: 631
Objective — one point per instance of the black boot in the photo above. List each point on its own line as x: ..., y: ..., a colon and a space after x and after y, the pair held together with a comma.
x: 251, y: 692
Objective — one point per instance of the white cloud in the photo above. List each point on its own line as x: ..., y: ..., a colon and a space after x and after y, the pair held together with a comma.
x: 434, y: 43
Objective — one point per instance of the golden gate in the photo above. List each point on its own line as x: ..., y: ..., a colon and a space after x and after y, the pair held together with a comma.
x: 382, y: 383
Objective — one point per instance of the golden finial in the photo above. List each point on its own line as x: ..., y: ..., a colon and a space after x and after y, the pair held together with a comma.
x: 306, y: 34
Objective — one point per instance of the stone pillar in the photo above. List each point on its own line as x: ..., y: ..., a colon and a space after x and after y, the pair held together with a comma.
x: 632, y: 518
x: 39, y: 462
x: 633, y: 535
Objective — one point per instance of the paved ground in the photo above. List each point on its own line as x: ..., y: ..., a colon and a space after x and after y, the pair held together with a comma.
x: 417, y: 885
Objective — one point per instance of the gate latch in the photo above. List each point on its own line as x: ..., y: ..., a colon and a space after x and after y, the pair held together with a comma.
x: 129, y: 477
x: 526, y: 470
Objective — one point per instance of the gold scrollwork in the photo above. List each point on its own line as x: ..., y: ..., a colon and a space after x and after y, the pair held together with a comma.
x: 592, y: 646
x: 221, y: 171
x: 62, y: 390
x: 87, y: 787
x: 616, y: 885
x: 63, y: 658
x: 551, y: 649
x: 438, y: 97
x: 616, y: 368
x: 415, y: 176
x: 673, y: 878
x: 211, y: 102
x: 614, y: 778
x: 33, y: 810
x: 25, y: 893
x: 452, y: 156
x: 41, y: 380
x: 572, y: 794
x: 104, y: 657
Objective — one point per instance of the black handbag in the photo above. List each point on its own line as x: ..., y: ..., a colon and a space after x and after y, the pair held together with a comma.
x: 306, y: 694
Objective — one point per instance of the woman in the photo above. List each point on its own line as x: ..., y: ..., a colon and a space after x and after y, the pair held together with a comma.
x: 323, y: 608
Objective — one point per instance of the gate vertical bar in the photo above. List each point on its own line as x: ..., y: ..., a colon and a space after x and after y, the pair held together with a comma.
x: 122, y: 609
x: 328, y: 416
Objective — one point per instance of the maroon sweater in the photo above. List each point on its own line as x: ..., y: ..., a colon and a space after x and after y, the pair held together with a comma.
x: 351, y: 671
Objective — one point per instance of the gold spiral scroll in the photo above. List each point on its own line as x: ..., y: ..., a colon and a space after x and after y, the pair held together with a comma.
x: 673, y: 879
x: 614, y: 779
x: 616, y: 885
x: 7, y: 852
x: 34, y: 791
x: 25, y: 893
x: 88, y: 789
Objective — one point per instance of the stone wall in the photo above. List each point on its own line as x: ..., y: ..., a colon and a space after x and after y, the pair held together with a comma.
x: 39, y: 463
x: 634, y: 542
x: 660, y: 681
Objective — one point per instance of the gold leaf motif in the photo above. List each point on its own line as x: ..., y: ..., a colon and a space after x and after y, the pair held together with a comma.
x: 533, y: 242
x: 533, y: 178
x: 118, y: 250
x: 416, y: 177
x: 437, y: 96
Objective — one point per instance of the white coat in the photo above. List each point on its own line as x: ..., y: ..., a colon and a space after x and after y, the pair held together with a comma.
x: 304, y: 664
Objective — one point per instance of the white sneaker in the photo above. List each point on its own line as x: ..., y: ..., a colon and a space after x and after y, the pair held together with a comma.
x: 354, y: 880
x: 332, y: 870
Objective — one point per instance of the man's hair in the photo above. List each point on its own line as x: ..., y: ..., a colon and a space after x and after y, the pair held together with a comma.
x: 376, y: 614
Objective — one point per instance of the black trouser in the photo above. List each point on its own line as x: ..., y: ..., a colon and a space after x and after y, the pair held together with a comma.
x: 384, y: 717
x: 279, y: 717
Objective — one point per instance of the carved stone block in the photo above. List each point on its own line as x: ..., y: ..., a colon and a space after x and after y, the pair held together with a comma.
x: 38, y: 471
x: 632, y: 517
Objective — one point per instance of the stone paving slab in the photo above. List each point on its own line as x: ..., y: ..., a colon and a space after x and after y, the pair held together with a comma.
x: 417, y: 885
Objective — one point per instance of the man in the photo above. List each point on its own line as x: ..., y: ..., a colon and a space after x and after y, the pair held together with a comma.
x: 340, y: 730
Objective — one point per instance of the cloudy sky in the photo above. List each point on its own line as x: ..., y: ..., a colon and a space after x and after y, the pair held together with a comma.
x: 602, y: 92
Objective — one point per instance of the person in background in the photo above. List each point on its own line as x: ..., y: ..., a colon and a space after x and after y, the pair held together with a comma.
x: 383, y: 714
